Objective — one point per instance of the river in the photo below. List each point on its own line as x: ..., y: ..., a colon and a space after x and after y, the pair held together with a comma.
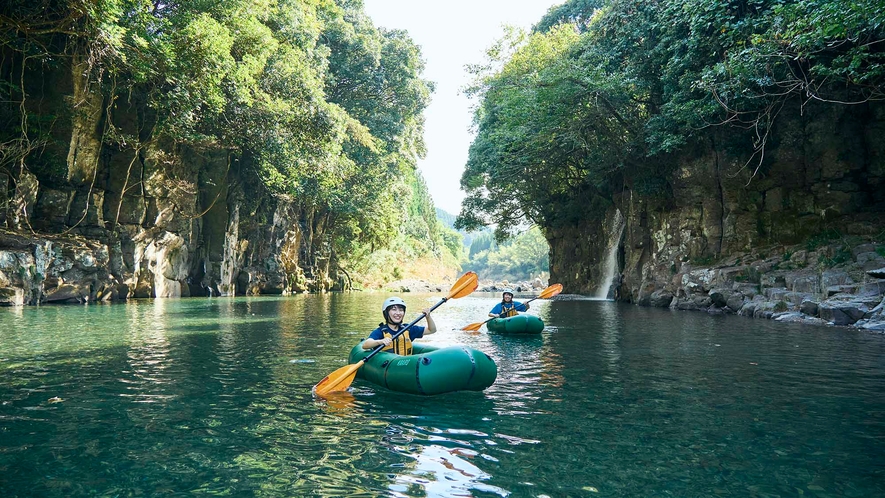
x: 212, y: 397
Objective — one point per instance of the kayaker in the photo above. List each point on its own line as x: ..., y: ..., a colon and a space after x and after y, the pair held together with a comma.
x: 507, y: 307
x: 394, y: 310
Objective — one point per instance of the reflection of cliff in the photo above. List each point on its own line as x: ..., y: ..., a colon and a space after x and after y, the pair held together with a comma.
x: 528, y: 371
x: 444, y: 469
x: 441, y: 471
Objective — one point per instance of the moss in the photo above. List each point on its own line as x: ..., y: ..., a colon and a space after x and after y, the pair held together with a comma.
x: 821, y: 239
x: 842, y: 255
x: 781, y: 306
x: 704, y: 260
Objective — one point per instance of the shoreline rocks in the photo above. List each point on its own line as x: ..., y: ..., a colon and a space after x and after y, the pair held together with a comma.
x: 851, y: 294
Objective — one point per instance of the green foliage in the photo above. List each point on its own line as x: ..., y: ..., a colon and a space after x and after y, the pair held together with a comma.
x: 577, y: 12
x: 453, y: 241
x: 704, y: 260
x: 483, y: 242
x: 523, y: 257
x: 322, y: 106
x: 822, y: 239
x: 466, y: 238
x: 599, y: 97
x: 841, y: 255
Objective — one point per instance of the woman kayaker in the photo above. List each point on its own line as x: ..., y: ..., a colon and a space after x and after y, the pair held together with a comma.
x: 394, y: 309
x: 507, y: 307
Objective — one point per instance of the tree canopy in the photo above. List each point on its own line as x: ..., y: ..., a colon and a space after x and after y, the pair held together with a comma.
x: 325, y: 106
x: 600, y: 93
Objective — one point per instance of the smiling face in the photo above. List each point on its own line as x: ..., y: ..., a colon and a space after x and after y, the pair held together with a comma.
x: 395, y: 314
x: 508, y: 297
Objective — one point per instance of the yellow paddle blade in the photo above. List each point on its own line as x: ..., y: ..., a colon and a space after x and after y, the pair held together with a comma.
x: 473, y: 327
x: 339, y: 380
x: 550, y: 291
x: 464, y: 286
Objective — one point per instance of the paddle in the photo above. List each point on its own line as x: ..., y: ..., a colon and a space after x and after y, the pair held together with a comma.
x: 545, y: 294
x: 340, y: 379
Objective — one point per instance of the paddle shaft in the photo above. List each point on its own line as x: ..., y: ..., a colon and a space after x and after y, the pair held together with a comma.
x: 404, y: 329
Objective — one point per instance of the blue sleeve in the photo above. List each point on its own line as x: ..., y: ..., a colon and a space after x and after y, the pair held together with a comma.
x: 519, y: 306
x: 416, y: 332
x: 497, y: 309
x: 376, y: 334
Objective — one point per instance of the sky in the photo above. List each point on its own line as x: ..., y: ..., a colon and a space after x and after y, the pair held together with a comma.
x: 451, y: 34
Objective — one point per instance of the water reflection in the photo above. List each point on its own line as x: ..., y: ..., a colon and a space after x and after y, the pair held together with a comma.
x: 610, y: 334
x: 148, y: 361
x: 212, y: 396
x: 338, y: 402
x: 441, y: 465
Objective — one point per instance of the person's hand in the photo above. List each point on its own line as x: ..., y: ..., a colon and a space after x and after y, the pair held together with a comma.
x: 426, y: 311
x: 499, y: 315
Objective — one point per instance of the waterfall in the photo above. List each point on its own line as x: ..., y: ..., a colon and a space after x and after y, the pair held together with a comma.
x: 613, y: 230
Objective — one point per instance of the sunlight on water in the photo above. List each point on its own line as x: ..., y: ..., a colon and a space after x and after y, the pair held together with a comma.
x: 212, y: 396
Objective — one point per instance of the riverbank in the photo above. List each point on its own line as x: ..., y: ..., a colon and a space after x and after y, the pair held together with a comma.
x: 420, y: 285
x: 834, y: 284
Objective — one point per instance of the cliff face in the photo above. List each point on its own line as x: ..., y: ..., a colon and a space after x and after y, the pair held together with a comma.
x: 790, y: 226
x: 97, y: 216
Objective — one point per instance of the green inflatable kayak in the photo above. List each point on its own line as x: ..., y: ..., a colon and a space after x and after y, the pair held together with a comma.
x: 429, y: 370
x: 519, y: 324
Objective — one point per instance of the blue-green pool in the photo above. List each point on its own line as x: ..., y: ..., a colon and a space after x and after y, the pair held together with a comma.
x: 205, y: 397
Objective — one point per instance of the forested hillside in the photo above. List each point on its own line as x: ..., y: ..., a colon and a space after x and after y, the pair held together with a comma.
x: 208, y: 148
x: 522, y: 257
x: 730, y: 137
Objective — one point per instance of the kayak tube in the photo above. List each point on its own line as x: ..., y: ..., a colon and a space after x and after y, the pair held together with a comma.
x: 519, y: 324
x: 429, y: 370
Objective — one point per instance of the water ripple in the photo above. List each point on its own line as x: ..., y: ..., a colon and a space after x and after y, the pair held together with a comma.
x: 202, y: 396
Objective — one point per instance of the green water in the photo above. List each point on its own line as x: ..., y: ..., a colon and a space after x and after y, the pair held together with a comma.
x: 212, y: 397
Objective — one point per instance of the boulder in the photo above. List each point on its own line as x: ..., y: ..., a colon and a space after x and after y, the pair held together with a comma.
x: 660, y: 299
x: 12, y: 296
x: 809, y: 308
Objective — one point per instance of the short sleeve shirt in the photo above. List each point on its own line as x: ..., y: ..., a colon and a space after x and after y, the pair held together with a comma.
x: 415, y: 332
x: 518, y: 306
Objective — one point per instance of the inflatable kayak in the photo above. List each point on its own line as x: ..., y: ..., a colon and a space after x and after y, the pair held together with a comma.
x: 519, y: 324
x: 429, y: 370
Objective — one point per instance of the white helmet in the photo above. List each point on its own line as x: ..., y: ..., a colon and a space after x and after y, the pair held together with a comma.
x: 390, y: 301
x: 507, y: 291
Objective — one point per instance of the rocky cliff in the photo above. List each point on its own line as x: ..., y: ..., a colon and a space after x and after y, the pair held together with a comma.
x: 106, y: 212
x: 792, y: 230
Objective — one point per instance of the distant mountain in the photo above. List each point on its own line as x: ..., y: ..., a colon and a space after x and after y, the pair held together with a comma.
x: 448, y: 219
